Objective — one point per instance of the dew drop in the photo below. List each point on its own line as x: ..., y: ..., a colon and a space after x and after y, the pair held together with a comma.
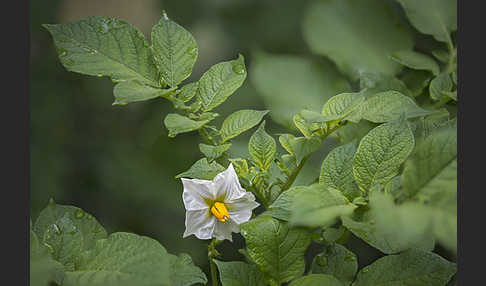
x: 79, y: 214
x: 52, y: 202
x: 89, y: 216
x: 238, y: 68
x: 57, y: 229
x: 164, y: 15
x: 99, y: 75
x: 365, y: 270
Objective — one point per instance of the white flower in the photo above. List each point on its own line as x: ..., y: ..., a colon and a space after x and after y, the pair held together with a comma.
x: 216, y: 208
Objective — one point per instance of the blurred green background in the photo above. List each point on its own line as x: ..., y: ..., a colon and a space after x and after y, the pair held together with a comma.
x: 117, y: 162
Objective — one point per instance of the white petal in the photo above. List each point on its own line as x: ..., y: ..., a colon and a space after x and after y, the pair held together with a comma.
x: 195, y: 191
x: 226, y: 184
x: 223, y: 230
x: 200, y: 223
x: 240, y: 209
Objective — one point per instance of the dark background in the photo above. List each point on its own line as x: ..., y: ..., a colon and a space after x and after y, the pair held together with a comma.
x: 117, y: 162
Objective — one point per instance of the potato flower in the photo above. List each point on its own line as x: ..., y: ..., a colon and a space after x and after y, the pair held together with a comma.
x: 216, y: 208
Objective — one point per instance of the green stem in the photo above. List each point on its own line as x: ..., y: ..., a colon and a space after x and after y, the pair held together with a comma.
x: 294, y: 174
x: 212, y: 253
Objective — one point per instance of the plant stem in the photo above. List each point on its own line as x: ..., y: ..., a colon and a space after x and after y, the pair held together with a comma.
x: 294, y: 174
x: 212, y: 253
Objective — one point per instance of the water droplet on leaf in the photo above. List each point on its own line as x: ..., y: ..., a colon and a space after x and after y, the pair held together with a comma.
x: 79, y: 214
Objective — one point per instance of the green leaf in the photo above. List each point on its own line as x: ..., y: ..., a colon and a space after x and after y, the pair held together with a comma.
x: 416, y: 61
x: 220, y: 81
x: 188, y: 91
x: 277, y: 249
x: 213, y: 152
x: 316, y: 280
x: 177, y: 124
x: 237, y: 273
x: 43, y: 269
x: 342, y: 106
x: 183, y: 272
x: 102, y: 46
x: 281, y: 206
x: 439, y: 85
x: 122, y: 259
x: 240, y: 121
x: 381, y: 152
x: 175, y: 51
x: 345, y: 30
x: 413, y: 267
x: 416, y: 81
x: 282, y: 79
x: 337, y: 170
x: 391, y: 228
x: 67, y: 231
x: 319, y: 206
x: 299, y: 146
x: 441, y: 55
x: 202, y: 169
x: 262, y: 148
x: 306, y: 125
x: 373, y: 83
x: 390, y: 105
x: 434, y: 17
x: 429, y: 171
x: 338, y: 261
x: 133, y: 91
x: 351, y: 132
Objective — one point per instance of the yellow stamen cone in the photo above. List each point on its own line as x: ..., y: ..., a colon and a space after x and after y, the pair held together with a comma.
x: 220, y: 211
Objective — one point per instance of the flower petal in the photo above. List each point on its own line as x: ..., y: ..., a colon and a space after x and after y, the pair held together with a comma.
x: 223, y: 230
x: 195, y: 192
x: 226, y: 184
x: 200, y: 223
x: 240, y: 209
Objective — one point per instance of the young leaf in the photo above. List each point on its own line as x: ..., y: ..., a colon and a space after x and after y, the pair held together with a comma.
x: 342, y: 106
x: 202, y: 169
x: 213, y: 152
x: 337, y: 170
x: 133, y: 91
x: 439, y: 85
x: 67, y: 231
x: 319, y: 206
x: 316, y: 280
x: 390, y: 105
x: 183, y: 272
x: 336, y: 29
x: 391, y: 228
x: 122, y: 259
x: 177, y: 124
x: 417, y: 61
x: 175, y: 51
x: 277, y: 249
x: 305, y: 126
x: 338, y: 261
x: 434, y: 17
x: 240, y: 121
x: 237, y: 273
x: 188, y: 91
x: 412, y: 267
x: 430, y: 171
x: 381, y: 152
x: 299, y: 146
x: 282, y: 79
x: 262, y: 148
x: 101, y: 46
x: 220, y: 81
